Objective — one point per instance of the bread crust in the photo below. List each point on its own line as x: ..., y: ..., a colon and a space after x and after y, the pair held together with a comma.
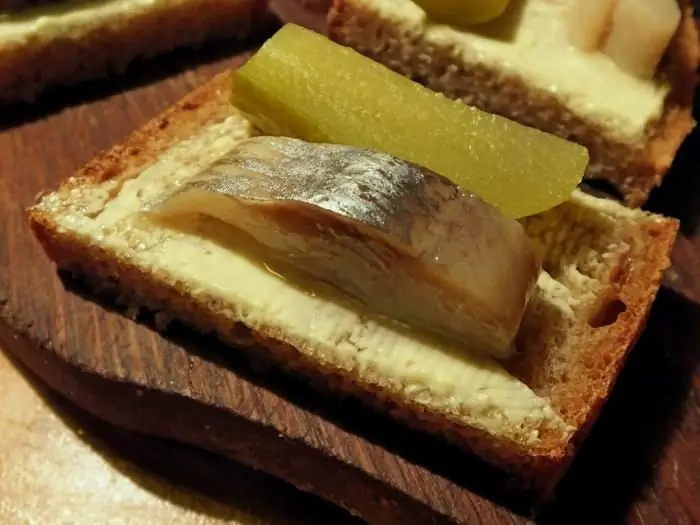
x: 29, y: 67
x: 539, y: 466
x: 634, y: 170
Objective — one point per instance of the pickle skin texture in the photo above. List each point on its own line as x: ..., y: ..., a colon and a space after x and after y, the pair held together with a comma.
x: 301, y: 84
x: 464, y: 12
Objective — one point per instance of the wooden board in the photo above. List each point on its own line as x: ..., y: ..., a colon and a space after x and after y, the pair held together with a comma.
x: 641, y: 462
x: 51, y: 451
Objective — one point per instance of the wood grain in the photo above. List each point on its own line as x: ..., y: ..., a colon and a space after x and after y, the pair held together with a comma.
x: 641, y: 463
x: 57, y: 460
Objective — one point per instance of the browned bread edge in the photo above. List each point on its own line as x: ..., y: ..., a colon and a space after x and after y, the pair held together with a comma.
x: 633, y: 170
x: 538, y: 467
x: 29, y: 68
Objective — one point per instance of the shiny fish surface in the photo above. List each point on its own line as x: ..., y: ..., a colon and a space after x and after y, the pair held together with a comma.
x: 403, y: 241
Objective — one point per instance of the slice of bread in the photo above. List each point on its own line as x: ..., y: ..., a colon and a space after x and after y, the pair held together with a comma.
x: 603, y: 265
x: 61, y: 43
x: 395, y: 35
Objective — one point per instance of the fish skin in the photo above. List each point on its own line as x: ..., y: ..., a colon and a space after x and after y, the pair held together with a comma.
x: 404, y: 241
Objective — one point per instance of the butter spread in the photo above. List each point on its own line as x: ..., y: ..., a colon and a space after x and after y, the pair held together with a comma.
x: 471, y: 389
x: 70, y: 18
x: 530, y: 41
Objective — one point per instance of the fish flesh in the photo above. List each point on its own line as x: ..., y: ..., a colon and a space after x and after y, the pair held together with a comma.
x: 405, y: 243
x: 640, y: 33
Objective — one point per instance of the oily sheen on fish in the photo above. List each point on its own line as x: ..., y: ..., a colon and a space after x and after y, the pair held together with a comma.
x: 405, y: 242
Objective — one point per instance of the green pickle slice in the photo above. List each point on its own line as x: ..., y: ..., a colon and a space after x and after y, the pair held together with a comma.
x: 300, y: 84
x: 463, y: 12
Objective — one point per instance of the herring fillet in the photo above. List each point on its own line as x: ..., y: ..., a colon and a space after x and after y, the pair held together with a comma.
x: 401, y: 240
x: 640, y: 34
x: 588, y: 23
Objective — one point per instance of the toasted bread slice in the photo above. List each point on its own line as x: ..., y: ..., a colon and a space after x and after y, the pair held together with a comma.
x: 61, y: 43
x: 603, y: 263
x: 578, y: 100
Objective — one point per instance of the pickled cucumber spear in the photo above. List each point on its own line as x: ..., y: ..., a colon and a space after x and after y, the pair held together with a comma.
x: 300, y: 84
x: 463, y: 12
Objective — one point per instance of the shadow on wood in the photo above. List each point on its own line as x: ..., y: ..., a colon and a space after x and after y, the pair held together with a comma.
x: 617, y: 462
x: 679, y: 195
x: 150, y: 461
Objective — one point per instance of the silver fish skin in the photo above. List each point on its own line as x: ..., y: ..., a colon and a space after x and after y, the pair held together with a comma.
x: 405, y: 242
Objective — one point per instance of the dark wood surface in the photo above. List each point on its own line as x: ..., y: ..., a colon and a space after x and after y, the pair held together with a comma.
x: 60, y: 465
x: 641, y: 463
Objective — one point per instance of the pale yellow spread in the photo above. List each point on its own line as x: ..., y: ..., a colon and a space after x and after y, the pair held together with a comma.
x: 69, y: 19
x: 530, y: 41
x: 449, y: 380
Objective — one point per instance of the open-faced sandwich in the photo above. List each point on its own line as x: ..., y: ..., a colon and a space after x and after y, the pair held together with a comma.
x: 344, y: 221
x: 617, y: 76
x: 61, y: 42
